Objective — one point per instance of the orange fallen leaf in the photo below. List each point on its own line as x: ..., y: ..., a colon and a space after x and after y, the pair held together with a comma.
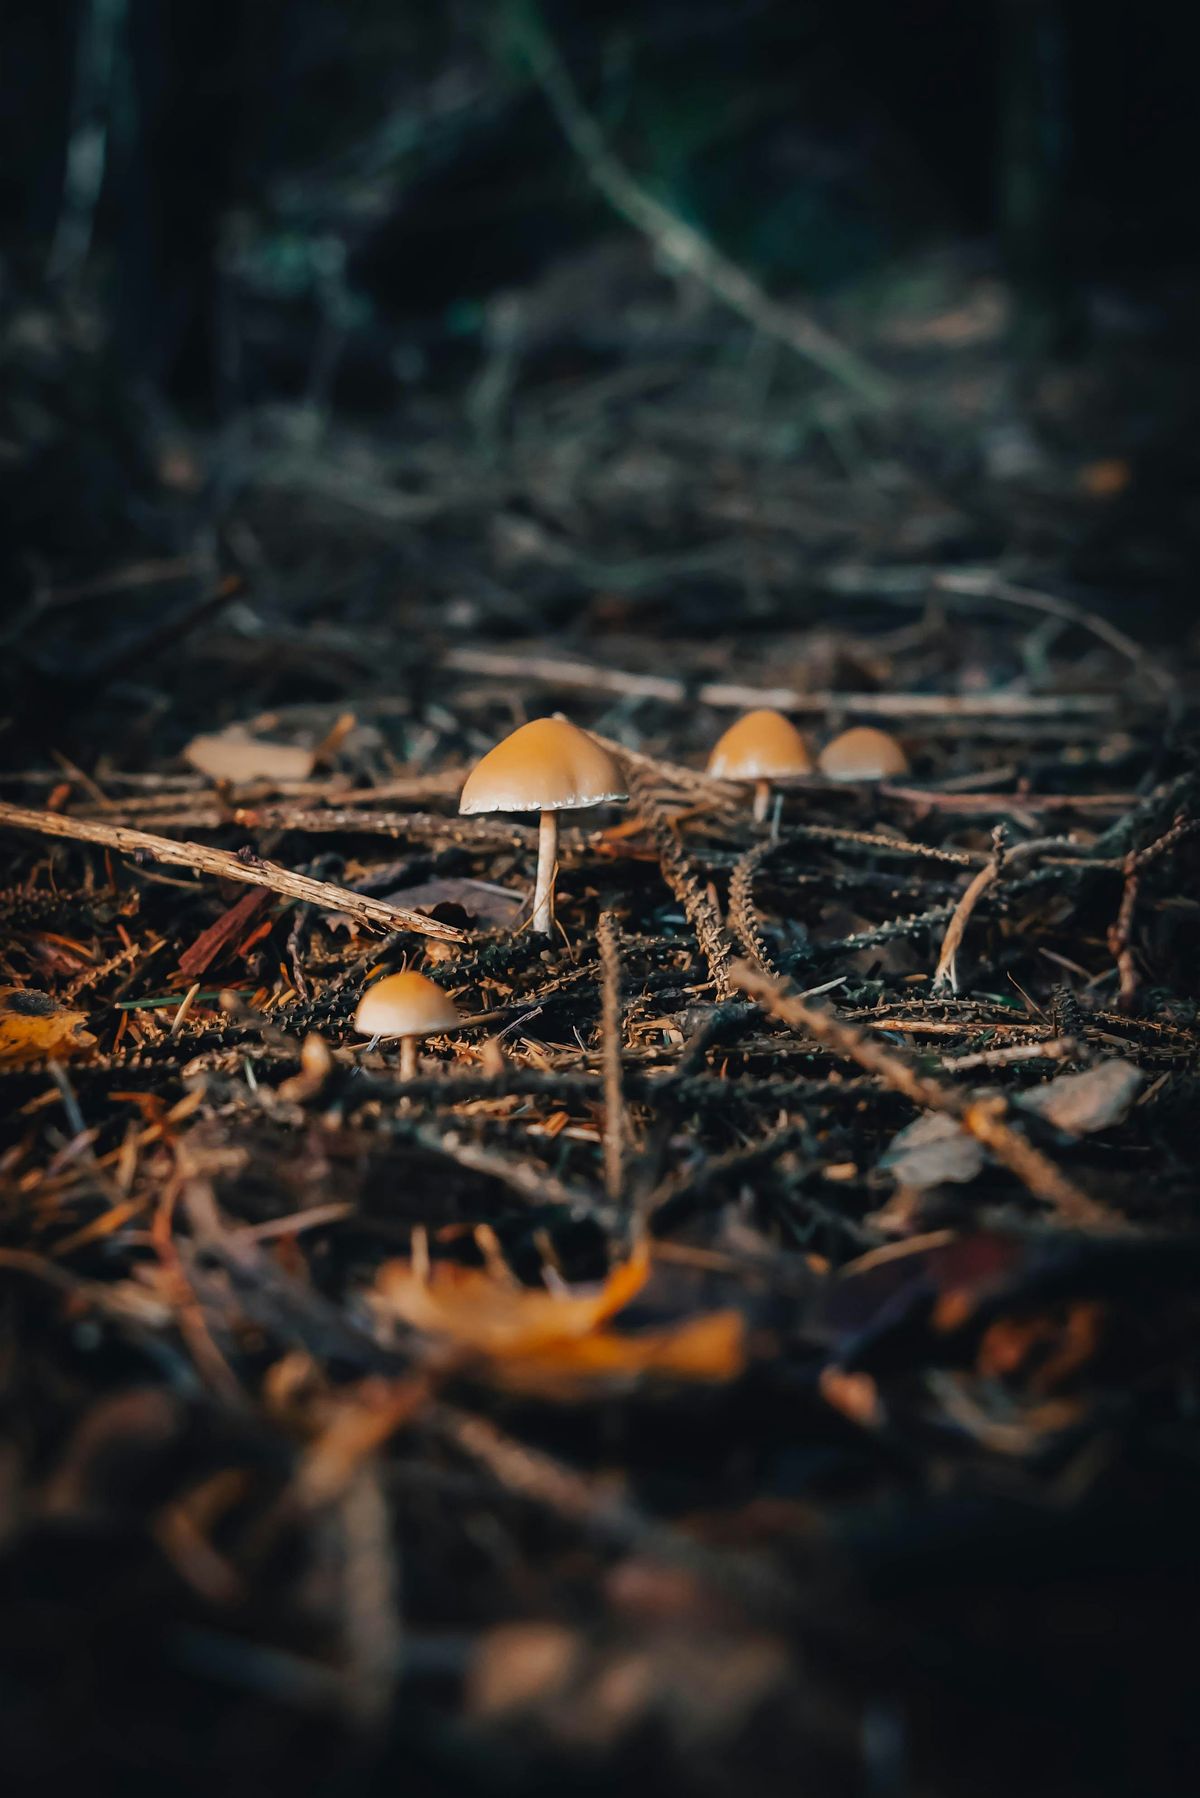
x: 552, y: 1343
x: 475, y: 1308
x: 34, y: 1026
x: 710, y: 1348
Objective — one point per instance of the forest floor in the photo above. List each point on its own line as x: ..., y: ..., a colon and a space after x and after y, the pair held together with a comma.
x: 758, y: 1350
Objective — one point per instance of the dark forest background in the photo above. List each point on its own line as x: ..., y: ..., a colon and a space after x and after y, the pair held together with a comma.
x: 224, y: 204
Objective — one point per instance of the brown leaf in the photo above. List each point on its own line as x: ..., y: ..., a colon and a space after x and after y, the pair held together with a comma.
x: 479, y: 899
x: 936, y: 1150
x: 482, y: 1311
x: 235, y: 755
x: 554, y: 1343
x: 34, y: 1026
x: 1083, y: 1103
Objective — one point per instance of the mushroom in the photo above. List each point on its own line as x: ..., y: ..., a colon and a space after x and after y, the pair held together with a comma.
x: 761, y: 747
x: 546, y: 766
x: 407, y: 1006
x: 863, y: 753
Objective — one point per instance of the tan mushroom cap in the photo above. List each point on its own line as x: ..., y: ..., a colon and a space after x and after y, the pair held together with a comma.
x: 863, y: 753
x: 405, y: 1005
x: 547, y: 765
x: 761, y: 746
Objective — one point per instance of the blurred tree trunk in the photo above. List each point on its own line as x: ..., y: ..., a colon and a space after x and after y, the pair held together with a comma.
x: 176, y: 179
x: 1033, y: 156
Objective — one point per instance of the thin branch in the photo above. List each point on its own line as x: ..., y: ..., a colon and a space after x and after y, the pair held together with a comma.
x: 680, y: 243
x: 984, y: 584
x: 248, y: 869
x: 608, y: 942
x: 982, y: 1118
x: 587, y: 677
x: 946, y: 974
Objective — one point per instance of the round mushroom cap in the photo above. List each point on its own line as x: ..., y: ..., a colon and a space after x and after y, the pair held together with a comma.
x: 760, y: 746
x: 405, y: 1005
x: 547, y: 765
x: 863, y: 753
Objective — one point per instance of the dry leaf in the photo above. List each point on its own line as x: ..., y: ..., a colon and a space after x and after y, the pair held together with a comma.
x: 934, y: 1151
x: 710, y: 1348
x: 236, y: 756
x: 34, y: 1026
x: 226, y: 934
x: 481, y: 900
x: 554, y: 1342
x: 1083, y: 1103
x: 499, y: 1317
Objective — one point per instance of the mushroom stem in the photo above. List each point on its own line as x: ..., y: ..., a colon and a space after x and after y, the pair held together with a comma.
x: 542, y: 922
x: 762, y: 799
x: 408, y: 1058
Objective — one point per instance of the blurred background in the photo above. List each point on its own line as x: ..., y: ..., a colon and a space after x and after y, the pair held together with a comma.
x: 601, y: 318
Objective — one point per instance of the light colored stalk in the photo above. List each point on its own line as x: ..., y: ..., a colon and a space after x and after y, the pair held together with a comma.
x: 542, y: 922
x: 762, y: 799
x: 408, y: 1058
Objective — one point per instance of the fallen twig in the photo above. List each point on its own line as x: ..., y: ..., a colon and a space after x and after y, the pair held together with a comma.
x: 249, y: 869
x: 608, y: 942
x: 982, y: 1118
x: 588, y: 677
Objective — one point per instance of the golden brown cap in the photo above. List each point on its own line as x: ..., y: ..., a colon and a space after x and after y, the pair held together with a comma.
x: 760, y: 746
x: 545, y: 766
x: 405, y: 1005
x: 863, y: 753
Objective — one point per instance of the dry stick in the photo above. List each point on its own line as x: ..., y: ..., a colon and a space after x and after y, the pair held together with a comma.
x: 984, y: 584
x: 1120, y: 933
x: 1120, y: 936
x: 418, y: 827
x: 561, y: 671
x: 608, y: 942
x: 715, y: 943
x: 945, y: 974
x: 1059, y: 1048
x: 248, y: 869
x: 680, y: 243
x: 672, y: 774
x: 981, y: 1118
x: 540, y: 1479
x: 196, y: 793
x: 973, y: 804
x: 372, y: 1634
x: 743, y: 913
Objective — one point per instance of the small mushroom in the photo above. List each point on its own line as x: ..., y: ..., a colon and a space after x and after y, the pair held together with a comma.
x: 762, y: 747
x: 407, y: 1006
x: 863, y: 753
x: 546, y: 766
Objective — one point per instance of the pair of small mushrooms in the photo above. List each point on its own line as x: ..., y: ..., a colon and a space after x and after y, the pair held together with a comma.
x: 550, y: 766
x: 764, y: 746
